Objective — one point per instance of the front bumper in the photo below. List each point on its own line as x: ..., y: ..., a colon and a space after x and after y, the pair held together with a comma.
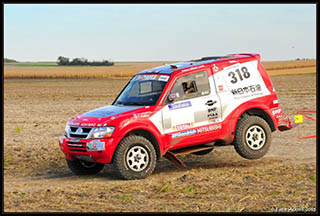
x: 95, y: 150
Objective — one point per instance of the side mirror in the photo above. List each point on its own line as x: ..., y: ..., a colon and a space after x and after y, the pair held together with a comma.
x: 172, y: 97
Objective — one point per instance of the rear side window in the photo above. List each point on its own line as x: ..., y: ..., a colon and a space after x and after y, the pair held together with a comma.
x: 191, y: 86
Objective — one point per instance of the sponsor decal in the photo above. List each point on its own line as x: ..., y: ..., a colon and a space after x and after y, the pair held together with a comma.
x: 207, y: 129
x: 210, y: 103
x: 193, y: 68
x: 212, y: 115
x: 95, y: 145
x: 275, y: 101
x: 212, y: 109
x: 88, y: 124
x: 74, y: 140
x: 183, y: 126
x: 145, y: 77
x: 174, y: 142
x: 179, y: 105
x: 199, y: 75
x: 215, y: 68
x: 163, y: 78
x: 277, y: 113
x: 142, y: 115
x: 74, y: 123
x: 220, y: 87
x: 205, y: 93
x: 231, y: 66
x: 247, y: 89
x: 184, y: 133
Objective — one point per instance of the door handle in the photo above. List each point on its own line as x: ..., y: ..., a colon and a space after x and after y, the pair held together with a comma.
x: 210, y: 102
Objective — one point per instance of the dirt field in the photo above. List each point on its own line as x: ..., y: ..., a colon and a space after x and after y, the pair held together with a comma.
x: 36, y: 178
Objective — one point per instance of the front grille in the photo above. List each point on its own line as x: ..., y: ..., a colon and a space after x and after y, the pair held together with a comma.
x: 77, y: 146
x: 79, y: 132
x: 78, y: 136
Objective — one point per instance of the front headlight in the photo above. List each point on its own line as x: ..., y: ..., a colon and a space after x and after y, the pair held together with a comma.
x: 66, y: 130
x: 102, y: 132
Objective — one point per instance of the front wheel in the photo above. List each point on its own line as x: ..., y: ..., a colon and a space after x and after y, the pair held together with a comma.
x: 134, y: 158
x: 252, y: 137
x: 80, y: 167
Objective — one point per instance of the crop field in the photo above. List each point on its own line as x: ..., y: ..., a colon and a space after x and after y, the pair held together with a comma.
x: 128, y: 69
x: 36, y: 177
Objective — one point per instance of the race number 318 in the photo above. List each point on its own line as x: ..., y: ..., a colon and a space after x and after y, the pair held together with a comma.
x: 244, y: 74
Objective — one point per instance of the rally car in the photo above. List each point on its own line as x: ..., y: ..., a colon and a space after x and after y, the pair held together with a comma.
x: 186, y: 107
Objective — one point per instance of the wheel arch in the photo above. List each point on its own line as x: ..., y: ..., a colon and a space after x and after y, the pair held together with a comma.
x: 149, y: 136
x: 261, y: 113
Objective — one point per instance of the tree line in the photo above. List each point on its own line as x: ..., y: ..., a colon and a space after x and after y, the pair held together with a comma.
x: 7, y: 60
x: 82, y: 61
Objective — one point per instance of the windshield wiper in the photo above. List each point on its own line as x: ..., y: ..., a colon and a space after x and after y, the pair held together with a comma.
x: 119, y: 103
x: 133, y: 104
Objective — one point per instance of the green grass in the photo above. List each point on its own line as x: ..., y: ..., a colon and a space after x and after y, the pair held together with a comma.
x: 189, y: 190
x: 275, y: 193
x: 125, y: 198
x: 18, y: 129
x: 7, y: 160
x: 165, y: 188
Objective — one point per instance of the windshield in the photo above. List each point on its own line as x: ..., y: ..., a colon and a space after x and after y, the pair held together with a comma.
x: 143, y: 90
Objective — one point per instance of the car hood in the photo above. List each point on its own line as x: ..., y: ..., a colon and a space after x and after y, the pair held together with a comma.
x: 98, y: 117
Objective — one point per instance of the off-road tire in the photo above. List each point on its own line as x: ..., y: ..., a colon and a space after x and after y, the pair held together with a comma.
x: 122, y: 162
x: 243, y: 137
x: 79, y: 167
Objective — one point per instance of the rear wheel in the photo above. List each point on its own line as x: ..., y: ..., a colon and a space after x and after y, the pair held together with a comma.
x: 80, y: 167
x: 252, y: 138
x: 134, y: 158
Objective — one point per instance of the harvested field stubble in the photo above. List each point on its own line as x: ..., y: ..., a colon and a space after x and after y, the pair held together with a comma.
x: 36, y: 178
x: 129, y: 69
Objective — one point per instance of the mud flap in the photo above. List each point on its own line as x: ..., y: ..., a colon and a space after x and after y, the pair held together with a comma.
x: 287, y: 127
x: 172, y: 157
x: 284, y: 127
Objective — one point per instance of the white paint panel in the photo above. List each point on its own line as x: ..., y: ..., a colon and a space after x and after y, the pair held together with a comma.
x: 156, y: 119
x: 244, y: 90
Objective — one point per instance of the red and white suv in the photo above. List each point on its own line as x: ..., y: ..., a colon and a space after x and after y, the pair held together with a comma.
x: 186, y: 107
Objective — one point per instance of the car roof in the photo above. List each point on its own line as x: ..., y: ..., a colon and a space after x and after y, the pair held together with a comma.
x: 170, y: 68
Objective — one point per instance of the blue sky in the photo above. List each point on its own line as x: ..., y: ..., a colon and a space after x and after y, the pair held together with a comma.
x: 158, y: 32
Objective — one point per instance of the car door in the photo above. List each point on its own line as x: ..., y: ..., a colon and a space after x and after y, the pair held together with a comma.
x: 196, y: 106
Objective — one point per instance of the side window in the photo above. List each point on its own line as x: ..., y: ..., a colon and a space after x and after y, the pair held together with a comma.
x: 191, y: 86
